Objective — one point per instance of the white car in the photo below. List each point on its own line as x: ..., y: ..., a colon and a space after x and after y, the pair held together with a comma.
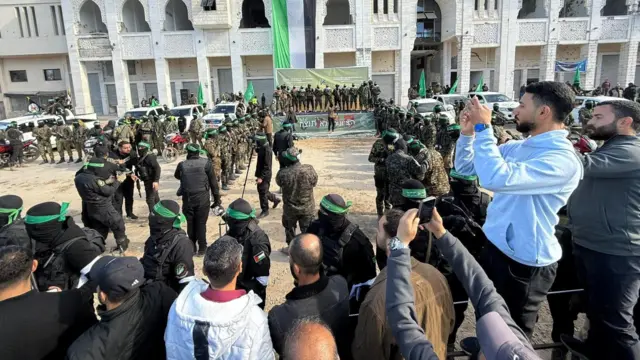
x: 26, y: 124
x: 425, y: 108
x: 216, y: 115
x: 596, y: 100
x: 505, y: 104
x: 450, y: 99
x: 188, y: 111
x: 137, y: 113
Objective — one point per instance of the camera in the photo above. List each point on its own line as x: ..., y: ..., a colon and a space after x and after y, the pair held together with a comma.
x: 425, y: 211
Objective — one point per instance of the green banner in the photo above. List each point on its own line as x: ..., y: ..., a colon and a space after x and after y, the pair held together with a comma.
x: 322, y: 77
x: 319, y: 122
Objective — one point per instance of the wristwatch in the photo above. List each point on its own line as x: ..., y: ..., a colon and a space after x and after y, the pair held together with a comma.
x: 481, y: 127
x: 396, y: 244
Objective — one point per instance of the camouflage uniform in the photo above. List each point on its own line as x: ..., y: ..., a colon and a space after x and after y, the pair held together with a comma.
x: 584, y: 116
x: 393, y: 121
x: 436, y: 180
x: 157, y: 135
x: 145, y: 131
x: 318, y: 94
x: 327, y: 97
x: 297, y: 182
x: 377, y: 156
x: 445, y: 144
x: 43, y: 137
x: 196, y: 128
x: 169, y: 126
x: 497, y: 123
x: 425, y: 130
x: 79, y: 137
x: 212, y: 147
x: 64, y: 137
x: 224, y: 140
x: 401, y: 167
x: 123, y: 132
x: 353, y: 97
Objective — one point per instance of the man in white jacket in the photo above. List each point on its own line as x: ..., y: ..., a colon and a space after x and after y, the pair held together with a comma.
x: 217, y: 321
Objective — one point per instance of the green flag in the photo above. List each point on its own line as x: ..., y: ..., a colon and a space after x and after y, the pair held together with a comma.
x: 248, y: 95
x: 454, y: 87
x: 155, y: 102
x: 200, y: 95
x: 480, y: 84
x: 423, y: 86
x: 576, y: 77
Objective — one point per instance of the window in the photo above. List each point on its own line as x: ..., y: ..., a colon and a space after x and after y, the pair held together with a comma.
x: 26, y: 18
x: 52, y: 75
x: 495, y: 4
x: 35, y: 22
x: 19, y: 21
x: 54, y: 20
x: 395, y: 6
x: 18, y: 75
x: 475, y: 6
x: 131, y: 66
x: 385, y: 6
x: 109, y: 68
x: 208, y: 5
x: 61, y: 19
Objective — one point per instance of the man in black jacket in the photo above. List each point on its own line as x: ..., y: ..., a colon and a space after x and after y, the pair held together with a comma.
x: 346, y: 249
x: 64, y: 250
x: 263, y: 175
x: 96, y: 184
x: 37, y: 325
x: 197, y: 180
x: 168, y: 252
x: 315, y: 295
x: 283, y: 139
x: 148, y: 170
x: 124, y: 193
x: 132, y: 317
x: 256, y: 264
x: 12, y: 228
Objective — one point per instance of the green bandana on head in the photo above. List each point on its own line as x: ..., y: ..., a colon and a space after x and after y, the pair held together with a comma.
x: 144, y: 144
x: 239, y: 215
x: 95, y: 165
x: 453, y: 127
x: 13, y: 213
x: 289, y: 156
x: 454, y: 174
x: 329, y: 206
x: 192, y: 148
x: 166, y: 213
x: 260, y: 137
x: 414, y: 193
x: 34, y: 220
x: 222, y: 129
x: 286, y: 125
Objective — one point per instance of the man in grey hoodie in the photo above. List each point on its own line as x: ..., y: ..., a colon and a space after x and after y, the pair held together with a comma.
x: 603, y: 217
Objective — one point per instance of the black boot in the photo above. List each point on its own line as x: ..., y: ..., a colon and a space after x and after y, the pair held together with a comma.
x: 79, y: 160
x: 61, y: 160
x: 276, y: 203
x: 70, y: 160
x: 45, y: 161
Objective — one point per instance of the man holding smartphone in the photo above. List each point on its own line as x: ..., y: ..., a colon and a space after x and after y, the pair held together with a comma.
x: 531, y: 180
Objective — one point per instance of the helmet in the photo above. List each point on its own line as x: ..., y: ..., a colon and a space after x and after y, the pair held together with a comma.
x: 589, y: 104
x: 496, y: 106
x: 40, y: 123
x: 60, y: 122
x: 437, y: 109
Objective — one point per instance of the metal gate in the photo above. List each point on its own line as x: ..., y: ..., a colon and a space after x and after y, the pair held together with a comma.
x: 95, y: 93
x: 150, y: 89
x: 174, y: 96
x: 112, y: 98
x: 265, y: 86
x: 387, y: 85
x: 135, y: 100
x: 609, y: 69
x: 225, y: 81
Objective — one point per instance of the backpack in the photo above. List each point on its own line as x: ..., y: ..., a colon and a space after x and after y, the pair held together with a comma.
x: 160, y: 257
x: 332, y: 250
x: 52, y: 268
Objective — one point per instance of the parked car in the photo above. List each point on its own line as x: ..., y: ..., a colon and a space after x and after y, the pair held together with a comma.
x: 137, y: 113
x: 450, y: 99
x: 188, y: 111
x: 216, y: 115
x: 27, y: 123
x: 504, y: 102
x: 425, y: 108
x: 595, y: 99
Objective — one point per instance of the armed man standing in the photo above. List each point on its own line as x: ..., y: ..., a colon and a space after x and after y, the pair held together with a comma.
x: 124, y: 193
x: 197, y: 179
x: 263, y: 175
x: 63, y: 140
x: 43, y: 137
x: 148, y: 170
x: 15, y: 140
x: 78, y: 137
x: 283, y: 139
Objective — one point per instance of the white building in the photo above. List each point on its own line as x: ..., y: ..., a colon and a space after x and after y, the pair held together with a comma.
x: 112, y: 53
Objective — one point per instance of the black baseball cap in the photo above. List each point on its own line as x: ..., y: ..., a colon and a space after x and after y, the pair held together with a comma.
x: 117, y: 276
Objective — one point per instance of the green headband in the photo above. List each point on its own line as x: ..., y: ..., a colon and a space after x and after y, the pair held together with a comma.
x: 414, y: 193
x: 144, y: 144
x: 328, y: 205
x: 166, y: 213
x: 96, y: 165
x: 35, y: 220
x: 454, y: 127
x: 239, y: 215
x: 455, y: 174
x: 410, y: 141
x: 222, y: 129
x: 192, y: 148
x: 286, y: 125
x: 260, y: 137
x: 13, y: 213
x: 289, y: 156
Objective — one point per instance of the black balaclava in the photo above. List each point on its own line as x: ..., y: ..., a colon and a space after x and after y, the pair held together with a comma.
x: 143, y: 148
x: 238, y: 215
x: 288, y: 158
x: 261, y: 139
x: 10, y: 209
x: 100, y: 167
x: 415, y: 147
x: 332, y: 214
x: 465, y: 188
x: 413, y: 193
x: 100, y: 151
x: 400, y: 145
x: 166, y: 217
x: 48, y: 225
x: 110, y: 125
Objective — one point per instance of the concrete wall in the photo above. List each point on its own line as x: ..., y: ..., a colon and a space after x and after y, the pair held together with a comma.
x: 383, y: 61
x: 339, y: 59
x: 527, y: 57
x: 258, y: 66
x: 49, y: 38
x: 183, y: 69
x: 568, y: 52
x: 483, y: 58
x: 35, y: 74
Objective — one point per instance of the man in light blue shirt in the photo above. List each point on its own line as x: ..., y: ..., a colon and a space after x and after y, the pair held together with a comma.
x: 531, y: 180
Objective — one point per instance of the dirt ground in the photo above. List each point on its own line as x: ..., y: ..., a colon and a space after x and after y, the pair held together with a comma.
x: 342, y: 168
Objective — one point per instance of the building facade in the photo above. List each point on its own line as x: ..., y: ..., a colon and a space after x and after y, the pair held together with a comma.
x: 110, y: 54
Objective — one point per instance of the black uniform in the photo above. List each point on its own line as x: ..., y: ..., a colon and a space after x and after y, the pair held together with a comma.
x: 168, y: 257
x: 282, y: 141
x: 197, y: 179
x: 124, y: 192
x: 148, y: 170
x: 15, y: 234
x: 98, y: 211
x: 263, y: 171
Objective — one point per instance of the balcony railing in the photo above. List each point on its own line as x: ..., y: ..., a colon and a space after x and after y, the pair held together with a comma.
x: 427, y: 37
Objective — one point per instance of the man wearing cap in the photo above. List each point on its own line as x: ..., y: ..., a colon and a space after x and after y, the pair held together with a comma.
x: 215, y: 320
x: 37, y: 325
x: 498, y: 335
x: 400, y: 166
x: 197, y: 181
x: 168, y: 252
x: 12, y: 228
x: 263, y: 175
x: 256, y: 264
x: 297, y: 182
x: 133, y: 316
x: 283, y: 139
x: 65, y: 251
x: 346, y: 249
x: 96, y: 185
x: 378, y: 156
x: 148, y: 170
x: 435, y: 179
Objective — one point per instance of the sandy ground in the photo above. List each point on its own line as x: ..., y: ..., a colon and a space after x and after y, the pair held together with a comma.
x: 342, y: 168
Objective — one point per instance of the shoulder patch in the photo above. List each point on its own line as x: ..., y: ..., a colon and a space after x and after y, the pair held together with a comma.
x: 180, y: 271
x: 259, y: 257
x: 100, y: 182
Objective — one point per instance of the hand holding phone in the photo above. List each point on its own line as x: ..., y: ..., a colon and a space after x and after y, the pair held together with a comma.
x: 425, y: 211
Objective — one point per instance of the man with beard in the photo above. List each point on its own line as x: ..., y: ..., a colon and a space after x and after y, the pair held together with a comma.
x: 435, y: 180
x: 148, y: 170
x: 65, y: 252
x: 168, y: 252
x: 197, y: 180
x: 346, y: 250
x: 602, y: 212
x: 256, y: 263
x: 378, y: 156
x: 96, y: 184
x: 400, y: 166
x: 531, y: 180
x: 297, y: 182
x: 124, y: 193
x: 12, y: 228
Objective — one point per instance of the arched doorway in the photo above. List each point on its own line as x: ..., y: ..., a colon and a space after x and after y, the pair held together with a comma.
x: 91, y: 19
x: 177, y: 16
x: 338, y: 13
x: 253, y: 15
x: 133, y: 17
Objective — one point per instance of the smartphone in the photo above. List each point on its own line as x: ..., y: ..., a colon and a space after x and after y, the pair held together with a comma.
x: 426, y: 209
